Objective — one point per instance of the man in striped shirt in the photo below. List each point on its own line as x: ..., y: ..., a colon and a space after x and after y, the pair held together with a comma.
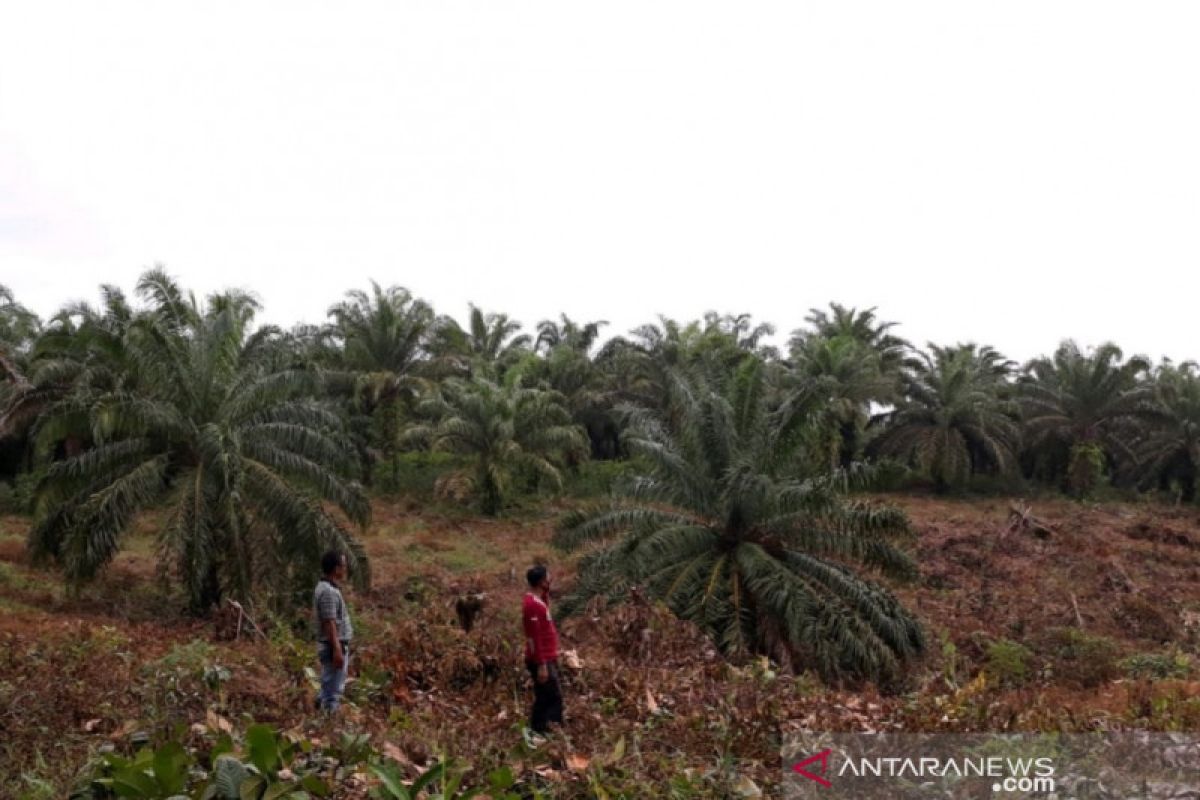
x: 541, y: 651
x: 334, y: 630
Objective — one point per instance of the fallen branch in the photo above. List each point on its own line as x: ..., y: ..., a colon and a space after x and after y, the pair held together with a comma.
x: 1078, y: 616
x: 242, y: 615
x: 1021, y: 518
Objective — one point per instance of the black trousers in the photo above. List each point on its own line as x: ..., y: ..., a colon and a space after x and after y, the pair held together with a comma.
x: 547, y: 698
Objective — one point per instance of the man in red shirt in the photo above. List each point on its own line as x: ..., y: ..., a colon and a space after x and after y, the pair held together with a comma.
x: 541, y: 651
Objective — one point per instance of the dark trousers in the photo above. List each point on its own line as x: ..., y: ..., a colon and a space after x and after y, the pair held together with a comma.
x: 547, y: 699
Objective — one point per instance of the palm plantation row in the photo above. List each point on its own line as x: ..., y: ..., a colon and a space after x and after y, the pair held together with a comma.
x: 258, y: 445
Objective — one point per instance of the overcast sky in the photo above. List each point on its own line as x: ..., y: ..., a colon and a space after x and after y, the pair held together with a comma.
x: 1010, y: 173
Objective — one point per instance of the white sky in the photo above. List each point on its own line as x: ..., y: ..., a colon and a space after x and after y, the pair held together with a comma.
x: 1011, y: 173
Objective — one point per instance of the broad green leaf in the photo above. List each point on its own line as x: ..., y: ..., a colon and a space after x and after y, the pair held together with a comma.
x: 501, y: 778
x: 264, y: 748
x: 170, y: 767
x: 390, y: 777
x: 223, y: 745
x: 133, y: 783
x: 432, y: 774
x: 115, y: 761
x: 144, y: 758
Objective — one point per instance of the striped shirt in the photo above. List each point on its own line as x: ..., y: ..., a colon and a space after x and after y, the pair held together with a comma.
x: 328, y: 604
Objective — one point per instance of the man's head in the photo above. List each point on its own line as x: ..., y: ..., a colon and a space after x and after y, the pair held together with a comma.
x: 538, y: 577
x: 333, y: 565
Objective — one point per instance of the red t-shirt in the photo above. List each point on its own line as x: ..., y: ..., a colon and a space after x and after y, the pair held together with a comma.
x: 541, y: 637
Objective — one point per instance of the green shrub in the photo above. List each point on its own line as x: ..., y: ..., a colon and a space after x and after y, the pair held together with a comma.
x: 1158, y: 666
x: 1081, y: 658
x: 265, y: 764
x: 414, y: 473
x: 17, y: 497
x: 1008, y: 662
x: 890, y: 475
x: 597, y: 478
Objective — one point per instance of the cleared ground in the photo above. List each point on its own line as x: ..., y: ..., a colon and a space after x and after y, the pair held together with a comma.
x: 1092, y: 623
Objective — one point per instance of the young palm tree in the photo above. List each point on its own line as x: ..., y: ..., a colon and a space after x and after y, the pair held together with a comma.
x: 734, y: 531
x: 505, y: 429
x: 1077, y: 407
x: 241, y: 455
x: 952, y: 421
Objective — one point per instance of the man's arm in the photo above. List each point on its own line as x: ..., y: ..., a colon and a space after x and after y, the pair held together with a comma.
x: 541, y: 622
x: 533, y: 622
x: 329, y: 626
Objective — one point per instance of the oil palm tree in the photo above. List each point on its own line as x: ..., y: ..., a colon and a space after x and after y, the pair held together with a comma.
x: 567, y: 333
x: 504, y: 430
x: 383, y: 339
x: 382, y: 332
x: 734, y: 530
x: 80, y: 350
x: 1077, y: 406
x: 19, y: 329
x: 847, y: 375
x: 645, y: 360
x: 242, y: 456
x: 953, y: 420
x: 490, y: 343
x: 861, y: 326
x: 739, y: 331
x: 1168, y: 448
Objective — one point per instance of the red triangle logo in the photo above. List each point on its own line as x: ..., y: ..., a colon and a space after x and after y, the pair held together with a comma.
x: 823, y: 758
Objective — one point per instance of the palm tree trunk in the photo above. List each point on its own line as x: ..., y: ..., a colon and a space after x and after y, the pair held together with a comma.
x: 491, y: 500
x: 849, y: 444
x: 210, y: 590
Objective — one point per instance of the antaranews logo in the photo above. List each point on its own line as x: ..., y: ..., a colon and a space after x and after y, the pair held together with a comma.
x: 1008, y: 774
x: 825, y: 765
